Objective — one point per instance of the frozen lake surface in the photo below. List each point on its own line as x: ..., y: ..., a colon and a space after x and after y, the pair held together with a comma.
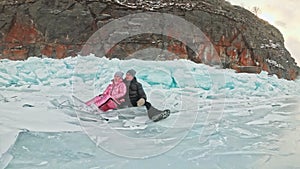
x: 220, y: 119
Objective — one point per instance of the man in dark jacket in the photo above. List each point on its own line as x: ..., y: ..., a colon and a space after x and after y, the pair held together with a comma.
x: 136, y: 97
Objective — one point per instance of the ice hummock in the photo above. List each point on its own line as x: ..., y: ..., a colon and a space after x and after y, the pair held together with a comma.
x: 243, y: 120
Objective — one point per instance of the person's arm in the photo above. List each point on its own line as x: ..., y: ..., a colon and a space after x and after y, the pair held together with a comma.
x: 142, y: 95
x: 141, y: 91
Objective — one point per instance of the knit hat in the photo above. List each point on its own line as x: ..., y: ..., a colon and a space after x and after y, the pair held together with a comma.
x: 132, y: 72
x: 119, y: 73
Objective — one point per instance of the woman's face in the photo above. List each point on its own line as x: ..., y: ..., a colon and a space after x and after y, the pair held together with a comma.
x: 117, y: 78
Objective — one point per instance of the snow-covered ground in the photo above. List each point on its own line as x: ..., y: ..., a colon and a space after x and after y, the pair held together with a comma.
x: 221, y: 119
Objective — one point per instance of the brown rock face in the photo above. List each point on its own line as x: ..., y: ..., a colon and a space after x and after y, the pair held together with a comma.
x: 21, y: 35
x: 60, y: 28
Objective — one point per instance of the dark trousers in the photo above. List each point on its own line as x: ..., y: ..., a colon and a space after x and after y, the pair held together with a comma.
x: 148, y: 105
x: 151, y: 111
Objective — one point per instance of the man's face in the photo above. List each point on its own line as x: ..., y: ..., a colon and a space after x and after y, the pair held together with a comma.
x: 128, y: 77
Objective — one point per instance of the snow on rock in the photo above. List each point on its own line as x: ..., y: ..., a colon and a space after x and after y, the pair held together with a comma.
x: 271, y: 44
x: 273, y: 62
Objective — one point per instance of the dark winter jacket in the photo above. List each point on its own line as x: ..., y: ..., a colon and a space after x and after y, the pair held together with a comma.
x: 135, y: 91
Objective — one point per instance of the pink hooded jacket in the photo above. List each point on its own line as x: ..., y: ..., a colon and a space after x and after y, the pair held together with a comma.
x: 116, y: 90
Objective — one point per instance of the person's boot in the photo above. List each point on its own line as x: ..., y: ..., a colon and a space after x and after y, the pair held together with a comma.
x: 157, y: 115
x: 163, y: 115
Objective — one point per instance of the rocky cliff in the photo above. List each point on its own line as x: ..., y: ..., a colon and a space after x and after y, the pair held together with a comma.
x: 60, y: 28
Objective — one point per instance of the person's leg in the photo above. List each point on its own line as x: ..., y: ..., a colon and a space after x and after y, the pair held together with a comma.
x: 164, y: 114
x: 148, y: 105
x: 111, y: 104
x: 155, y: 114
x: 103, y: 100
x: 152, y: 111
x: 104, y: 108
x: 93, y: 100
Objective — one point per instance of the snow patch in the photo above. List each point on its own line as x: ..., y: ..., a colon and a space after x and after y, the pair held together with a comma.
x: 274, y: 63
x: 271, y: 44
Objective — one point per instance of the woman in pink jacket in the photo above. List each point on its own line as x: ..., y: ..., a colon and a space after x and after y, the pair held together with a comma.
x: 112, y: 96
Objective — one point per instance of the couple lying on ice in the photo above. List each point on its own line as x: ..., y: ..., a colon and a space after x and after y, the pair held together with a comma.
x: 128, y: 92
